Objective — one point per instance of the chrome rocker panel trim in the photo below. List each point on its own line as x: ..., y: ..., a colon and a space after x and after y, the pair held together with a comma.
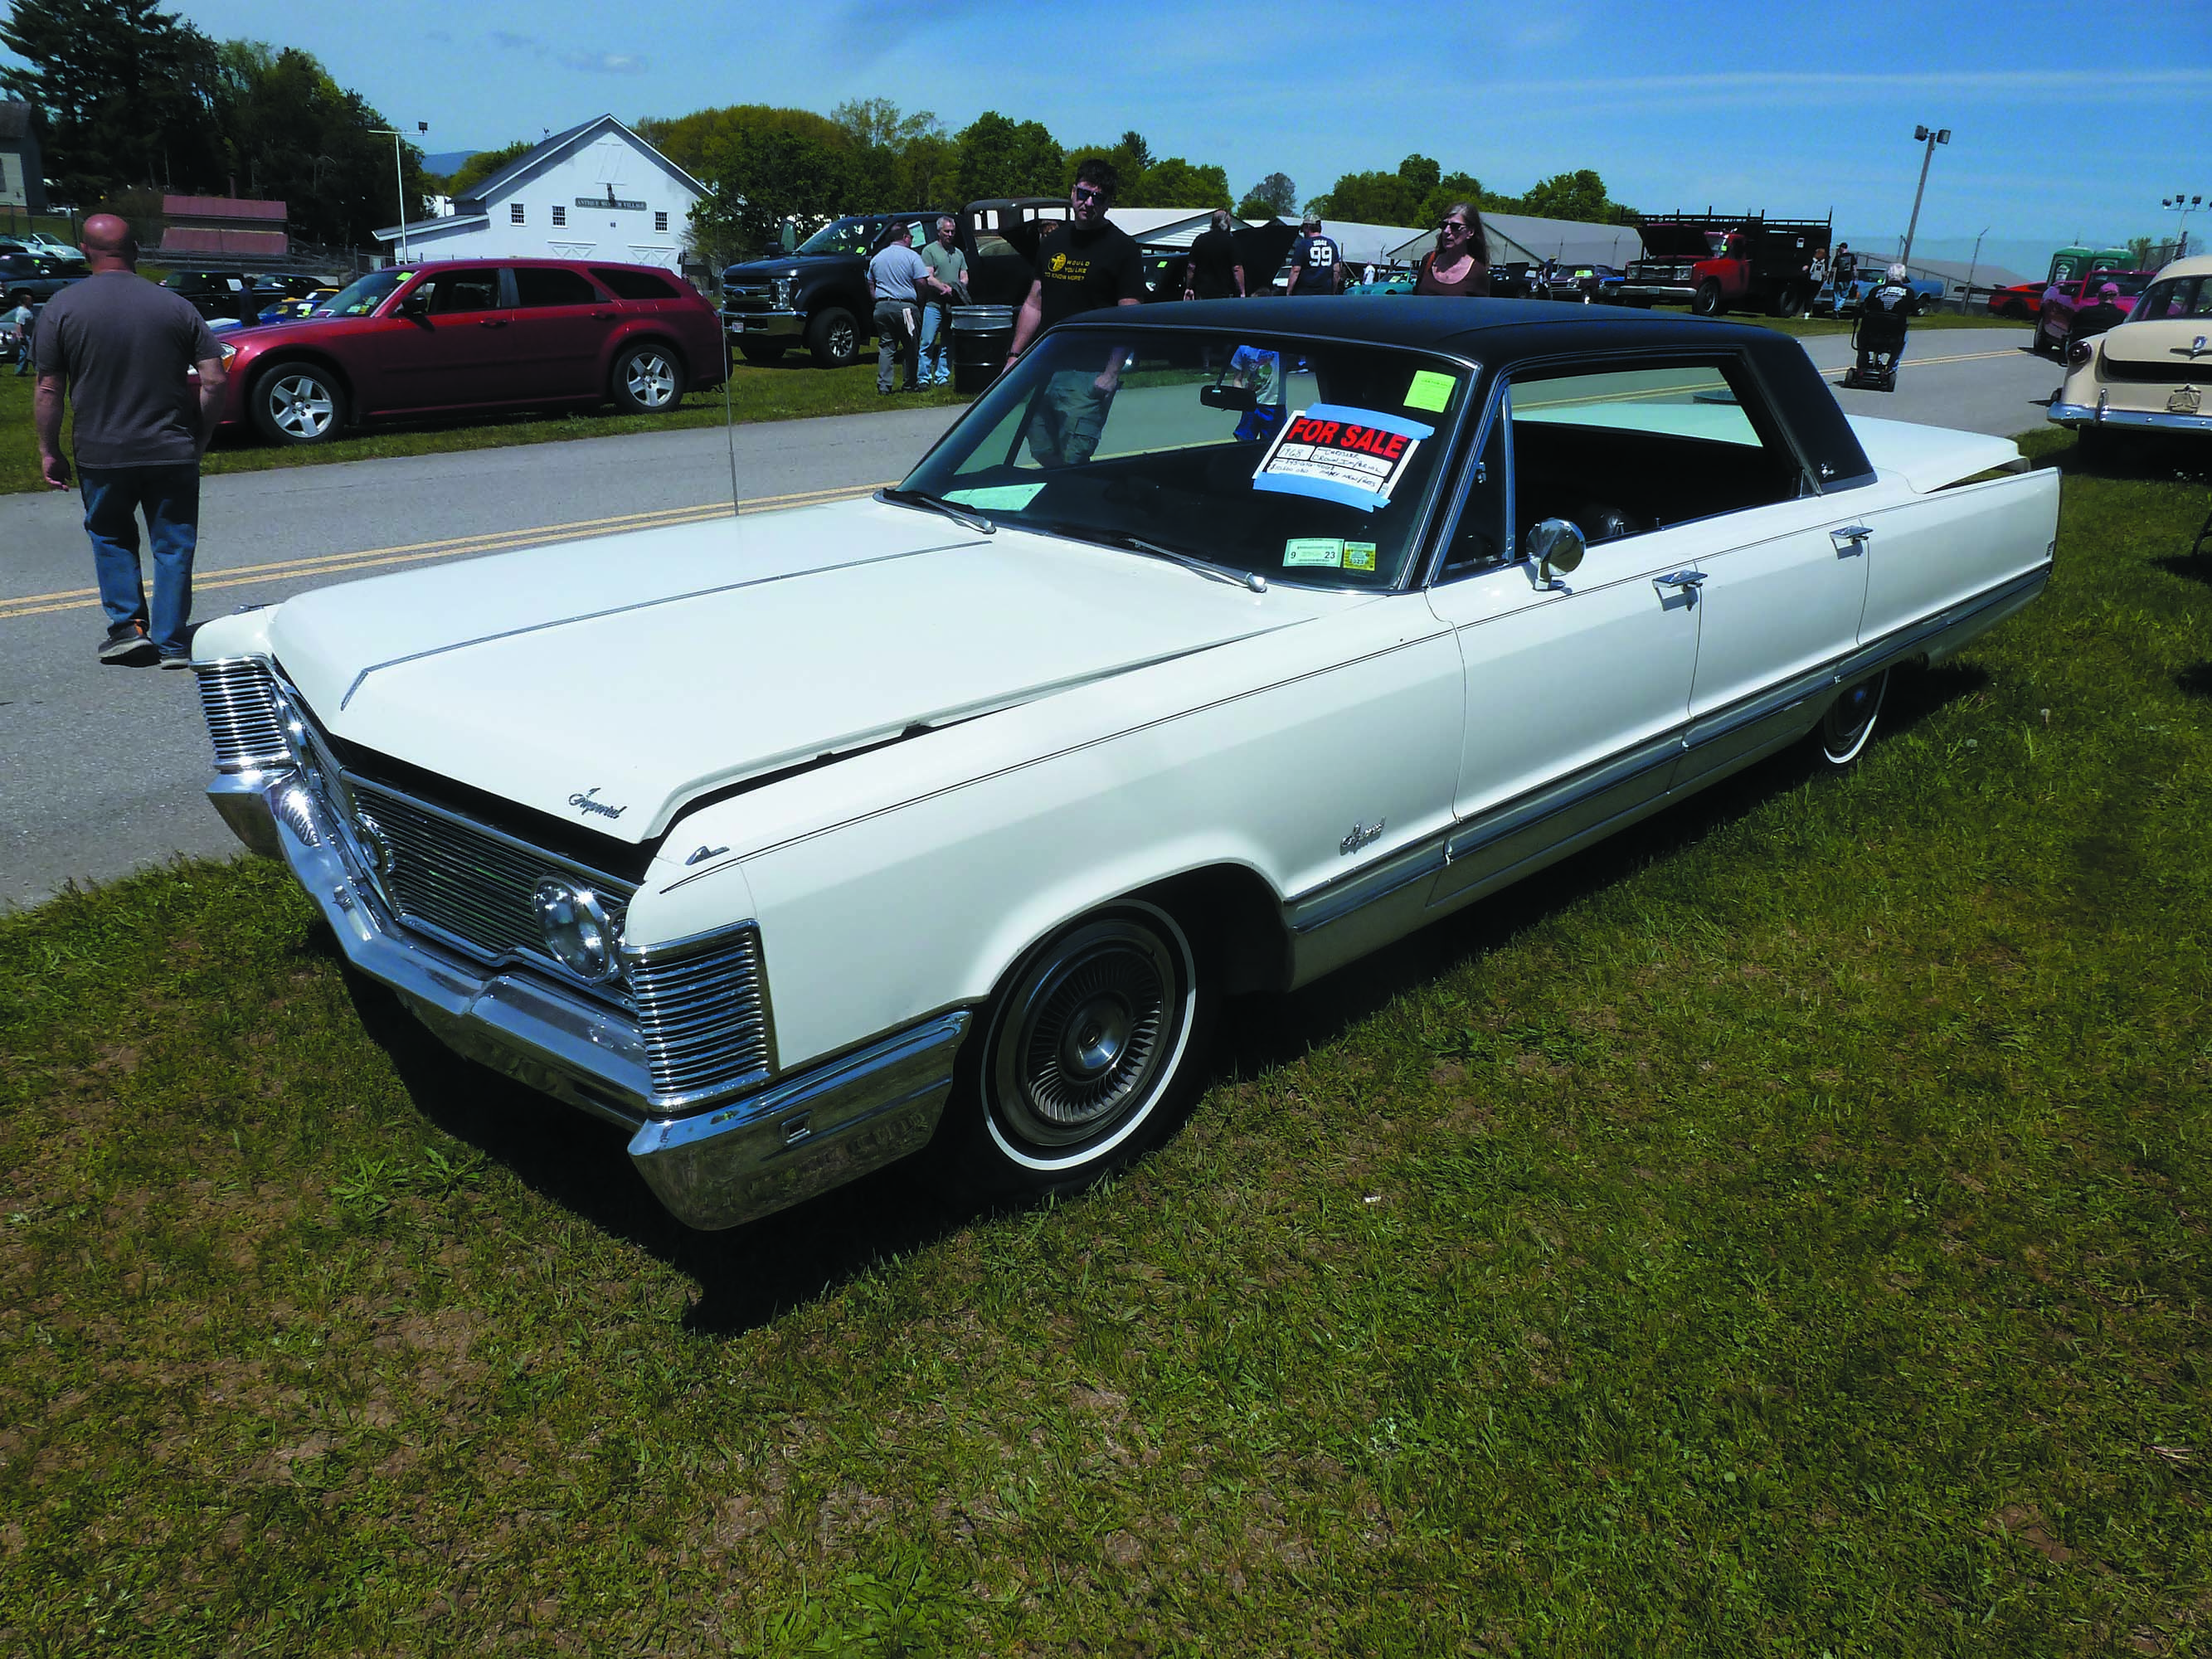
x: 727, y: 1163
x: 2090, y: 415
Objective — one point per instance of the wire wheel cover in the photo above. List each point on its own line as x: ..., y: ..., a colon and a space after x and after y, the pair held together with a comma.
x: 1088, y: 1039
x: 652, y: 380
x: 301, y: 404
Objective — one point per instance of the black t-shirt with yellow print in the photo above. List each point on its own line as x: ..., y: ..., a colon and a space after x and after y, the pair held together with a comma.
x: 1080, y: 269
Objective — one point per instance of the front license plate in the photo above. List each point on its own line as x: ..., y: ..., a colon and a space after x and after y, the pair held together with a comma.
x: 2187, y: 401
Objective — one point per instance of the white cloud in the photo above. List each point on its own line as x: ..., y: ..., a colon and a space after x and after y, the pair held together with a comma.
x: 604, y: 63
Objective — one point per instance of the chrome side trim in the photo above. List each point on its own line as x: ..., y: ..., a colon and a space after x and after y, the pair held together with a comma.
x: 806, y: 1134
x: 2088, y: 414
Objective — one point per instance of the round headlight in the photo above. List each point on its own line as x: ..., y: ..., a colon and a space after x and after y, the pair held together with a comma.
x: 575, y: 928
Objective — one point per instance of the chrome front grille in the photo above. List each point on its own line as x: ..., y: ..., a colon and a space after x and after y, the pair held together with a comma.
x: 702, y: 1010
x: 468, y: 883
x: 748, y: 299
x: 239, y: 698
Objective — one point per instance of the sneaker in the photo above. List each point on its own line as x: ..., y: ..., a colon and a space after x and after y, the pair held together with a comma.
x: 126, y: 644
x: 178, y: 659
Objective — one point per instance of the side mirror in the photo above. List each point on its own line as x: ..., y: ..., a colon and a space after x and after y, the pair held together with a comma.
x: 1228, y: 396
x: 1558, y: 547
x: 417, y: 304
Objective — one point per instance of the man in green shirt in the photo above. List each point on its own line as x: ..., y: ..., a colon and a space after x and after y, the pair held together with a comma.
x: 950, y: 266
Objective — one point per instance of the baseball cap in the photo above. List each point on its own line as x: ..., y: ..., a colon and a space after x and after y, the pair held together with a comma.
x: 2110, y: 288
x: 1311, y: 221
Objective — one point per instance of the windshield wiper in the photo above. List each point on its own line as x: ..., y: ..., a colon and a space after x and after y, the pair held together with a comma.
x: 1191, y: 562
x: 938, y: 504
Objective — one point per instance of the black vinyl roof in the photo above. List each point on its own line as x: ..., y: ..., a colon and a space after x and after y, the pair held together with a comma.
x: 1502, y: 329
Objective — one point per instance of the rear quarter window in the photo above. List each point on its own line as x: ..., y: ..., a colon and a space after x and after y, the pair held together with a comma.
x: 628, y: 284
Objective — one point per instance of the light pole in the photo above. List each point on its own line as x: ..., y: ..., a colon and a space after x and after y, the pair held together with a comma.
x: 399, y: 179
x: 2175, y: 202
x: 1966, y: 299
x: 1930, y: 137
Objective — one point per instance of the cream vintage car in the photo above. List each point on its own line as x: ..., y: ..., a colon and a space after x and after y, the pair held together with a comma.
x: 2150, y: 374
x: 1215, y: 646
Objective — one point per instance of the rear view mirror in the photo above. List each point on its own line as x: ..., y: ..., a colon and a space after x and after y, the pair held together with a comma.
x: 1228, y: 396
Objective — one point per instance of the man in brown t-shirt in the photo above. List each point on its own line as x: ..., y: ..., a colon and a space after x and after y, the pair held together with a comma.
x: 123, y: 347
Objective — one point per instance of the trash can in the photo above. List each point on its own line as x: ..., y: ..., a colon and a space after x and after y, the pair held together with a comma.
x: 982, y: 337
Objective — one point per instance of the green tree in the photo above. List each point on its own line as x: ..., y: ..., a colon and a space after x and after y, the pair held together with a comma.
x: 482, y: 164
x: 1002, y: 158
x: 761, y: 175
x: 1578, y: 195
x: 125, y: 93
x: 1272, y: 197
x: 290, y: 132
x: 1383, y: 198
x: 692, y: 141
x: 1177, y: 183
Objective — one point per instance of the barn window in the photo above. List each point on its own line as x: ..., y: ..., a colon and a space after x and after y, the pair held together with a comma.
x: 514, y: 213
x: 661, y: 221
x: 560, y: 216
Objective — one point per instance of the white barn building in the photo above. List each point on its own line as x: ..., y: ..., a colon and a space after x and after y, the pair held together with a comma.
x: 596, y: 191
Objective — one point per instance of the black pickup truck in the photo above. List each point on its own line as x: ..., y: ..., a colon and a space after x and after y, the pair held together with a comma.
x: 816, y: 293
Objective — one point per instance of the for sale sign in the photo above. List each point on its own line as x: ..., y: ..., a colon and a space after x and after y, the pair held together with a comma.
x: 1339, y: 454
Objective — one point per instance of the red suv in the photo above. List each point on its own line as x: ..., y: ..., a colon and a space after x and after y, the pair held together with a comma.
x: 476, y: 334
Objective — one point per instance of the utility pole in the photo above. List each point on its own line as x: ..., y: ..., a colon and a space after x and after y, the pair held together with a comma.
x: 399, y: 179
x: 1930, y: 137
x: 1967, y: 298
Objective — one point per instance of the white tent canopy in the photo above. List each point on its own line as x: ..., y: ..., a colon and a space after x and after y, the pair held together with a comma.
x: 1517, y: 236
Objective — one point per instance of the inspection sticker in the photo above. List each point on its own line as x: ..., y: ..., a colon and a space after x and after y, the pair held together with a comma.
x: 1337, y: 454
x: 1325, y: 552
x: 1359, y: 556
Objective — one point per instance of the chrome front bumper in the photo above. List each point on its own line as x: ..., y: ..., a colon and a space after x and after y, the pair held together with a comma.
x: 2160, y: 419
x: 764, y: 325
x: 730, y: 1163
x: 1672, y: 294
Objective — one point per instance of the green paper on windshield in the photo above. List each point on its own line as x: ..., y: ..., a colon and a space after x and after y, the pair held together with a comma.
x: 1322, y: 551
x: 1430, y: 390
x: 1006, y: 498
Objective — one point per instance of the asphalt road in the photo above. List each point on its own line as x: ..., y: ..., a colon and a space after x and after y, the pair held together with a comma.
x: 102, y: 769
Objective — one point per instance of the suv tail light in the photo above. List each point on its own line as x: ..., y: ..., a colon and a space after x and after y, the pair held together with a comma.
x: 2079, y: 352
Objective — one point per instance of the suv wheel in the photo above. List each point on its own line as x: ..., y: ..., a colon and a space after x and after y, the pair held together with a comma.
x: 296, y: 403
x: 833, y: 338
x: 647, y: 380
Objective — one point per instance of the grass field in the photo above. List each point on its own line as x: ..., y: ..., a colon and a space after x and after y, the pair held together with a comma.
x: 1783, y: 1230
x: 788, y: 391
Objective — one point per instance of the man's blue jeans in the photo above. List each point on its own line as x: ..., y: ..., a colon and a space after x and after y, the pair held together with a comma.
x: 936, y: 342
x: 170, y: 497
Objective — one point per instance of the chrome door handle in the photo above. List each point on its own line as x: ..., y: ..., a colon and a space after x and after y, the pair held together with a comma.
x: 1680, y: 578
x: 1851, y: 539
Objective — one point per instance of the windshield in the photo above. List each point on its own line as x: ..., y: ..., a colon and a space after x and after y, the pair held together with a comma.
x: 1299, y: 461
x: 363, y: 294
x: 842, y: 236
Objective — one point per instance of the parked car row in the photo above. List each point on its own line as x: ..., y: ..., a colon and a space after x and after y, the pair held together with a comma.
x: 34, y: 279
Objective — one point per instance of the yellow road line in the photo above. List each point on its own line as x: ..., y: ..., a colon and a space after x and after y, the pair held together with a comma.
x: 39, y: 604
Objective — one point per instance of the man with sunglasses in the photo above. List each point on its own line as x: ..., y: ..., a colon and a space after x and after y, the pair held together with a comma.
x: 1082, y: 265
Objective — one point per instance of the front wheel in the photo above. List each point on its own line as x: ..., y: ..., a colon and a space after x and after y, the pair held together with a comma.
x: 833, y: 338
x: 1789, y: 300
x: 296, y: 404
x: 647, y: 380
x: 1708, y: 301
x: 1087, y: 1051
x: 1850, y: 720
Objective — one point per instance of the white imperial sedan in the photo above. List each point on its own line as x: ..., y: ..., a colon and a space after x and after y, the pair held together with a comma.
x: 1215, y: 646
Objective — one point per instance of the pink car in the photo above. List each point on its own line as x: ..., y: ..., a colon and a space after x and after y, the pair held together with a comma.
x: 2062, y: 303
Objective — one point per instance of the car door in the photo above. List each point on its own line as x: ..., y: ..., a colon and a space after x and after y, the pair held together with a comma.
x: 1576, y: 687
x: 455, y: 344
x: 561, y: 326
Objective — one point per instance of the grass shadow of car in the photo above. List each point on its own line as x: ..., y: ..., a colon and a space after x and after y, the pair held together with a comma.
x: 750, y: 1275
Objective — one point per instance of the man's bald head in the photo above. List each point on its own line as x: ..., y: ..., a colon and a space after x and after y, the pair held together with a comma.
x: 108, y: 237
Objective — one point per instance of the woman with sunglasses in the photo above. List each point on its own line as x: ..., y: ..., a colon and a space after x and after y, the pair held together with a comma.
x: 1456, y: 266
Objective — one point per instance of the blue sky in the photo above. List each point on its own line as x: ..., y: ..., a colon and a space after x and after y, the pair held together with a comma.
x: 2066, y: 119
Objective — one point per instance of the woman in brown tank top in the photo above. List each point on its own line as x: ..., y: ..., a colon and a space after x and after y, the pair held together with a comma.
x: 1457, y: 266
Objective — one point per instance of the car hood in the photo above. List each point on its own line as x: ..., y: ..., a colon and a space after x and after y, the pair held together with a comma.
x: 792, y: 264
x: 609, y: 682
